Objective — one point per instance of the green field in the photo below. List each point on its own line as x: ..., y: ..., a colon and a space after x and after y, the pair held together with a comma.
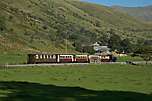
x: 13, y: 58
x: 77, y: 83
x: 129, y: 58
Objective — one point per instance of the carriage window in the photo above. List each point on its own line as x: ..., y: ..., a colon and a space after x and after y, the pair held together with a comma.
x: 78, y: 57
x: 50, y: 56
x: 37, y: 57
x: 47, y: 56
x: 54, y: 57
x: 41, y: 57
x: 60, y: 57
x: 44, y: 56
x: 107, y: 57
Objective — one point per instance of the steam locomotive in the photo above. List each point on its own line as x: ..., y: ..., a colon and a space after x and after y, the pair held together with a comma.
x: 67, y: 58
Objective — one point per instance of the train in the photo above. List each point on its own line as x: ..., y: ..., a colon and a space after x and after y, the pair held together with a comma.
x: 40, y: 58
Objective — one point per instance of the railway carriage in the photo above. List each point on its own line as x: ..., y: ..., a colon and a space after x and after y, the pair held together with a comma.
x: 65, y: 58
x: 106, y: 58
x: 100, y: 58
x: 94, y: 59
x: 42, y: 58
x: 81, y: 58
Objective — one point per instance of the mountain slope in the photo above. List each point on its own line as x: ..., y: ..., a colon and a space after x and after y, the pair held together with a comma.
x: 55, y: 25
x: 143, y: 13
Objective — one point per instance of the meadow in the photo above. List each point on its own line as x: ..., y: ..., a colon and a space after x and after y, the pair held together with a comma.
x: 129, y: 58
x: 113, y: 82
x: 13, y: 58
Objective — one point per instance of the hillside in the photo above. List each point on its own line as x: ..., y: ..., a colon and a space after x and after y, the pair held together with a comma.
x: 58, y: 25
x: 142, y: 13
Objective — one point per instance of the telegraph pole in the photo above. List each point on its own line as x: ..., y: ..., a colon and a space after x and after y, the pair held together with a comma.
x: 66, y: 42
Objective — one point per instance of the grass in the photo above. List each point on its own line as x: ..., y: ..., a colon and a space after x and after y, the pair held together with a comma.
x: 77, y: 83
x: 13, y: 58
x: 129, y: 58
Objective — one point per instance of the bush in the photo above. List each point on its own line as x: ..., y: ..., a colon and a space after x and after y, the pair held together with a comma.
x: 2, y: 23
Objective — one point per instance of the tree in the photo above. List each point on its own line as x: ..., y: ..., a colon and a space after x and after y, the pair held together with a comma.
x: 88, y: 49
x: 144, y: 52
x: 114, y: 40
x: 126, y: 45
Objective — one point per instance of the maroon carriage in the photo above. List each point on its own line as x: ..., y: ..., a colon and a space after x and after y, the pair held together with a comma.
x: 65, y: 58
x: 81, y: 58
x: 42, y: 58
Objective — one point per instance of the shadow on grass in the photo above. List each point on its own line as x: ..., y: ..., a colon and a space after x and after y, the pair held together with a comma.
x: 24, y: 91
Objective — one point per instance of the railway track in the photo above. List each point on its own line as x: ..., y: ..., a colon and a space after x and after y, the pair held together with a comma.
x: 68, y: 64
x: 43, y: 65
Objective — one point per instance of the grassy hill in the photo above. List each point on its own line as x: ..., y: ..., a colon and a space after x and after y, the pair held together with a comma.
x: 57, y: 25
x: 143, y: 13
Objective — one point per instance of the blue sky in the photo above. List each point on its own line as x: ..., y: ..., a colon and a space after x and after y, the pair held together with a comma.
x: 128, y: 3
